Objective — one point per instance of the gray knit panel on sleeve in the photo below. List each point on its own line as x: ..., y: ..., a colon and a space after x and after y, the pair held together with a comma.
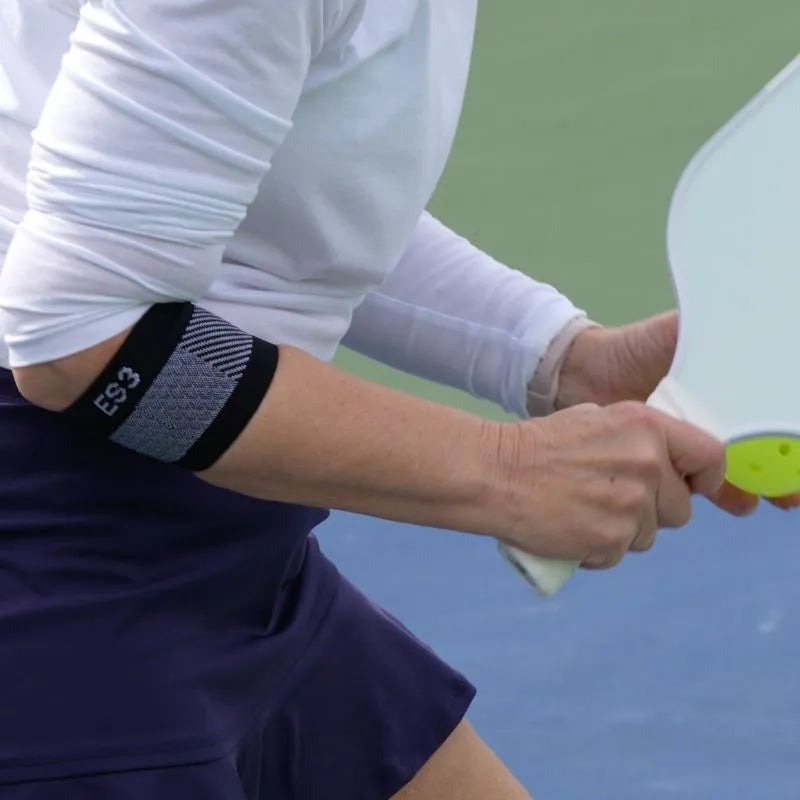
x: 190, y: 391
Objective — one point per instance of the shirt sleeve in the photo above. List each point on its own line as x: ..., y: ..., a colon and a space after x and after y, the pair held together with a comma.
x: 158, y: 130
x: 452, y: 314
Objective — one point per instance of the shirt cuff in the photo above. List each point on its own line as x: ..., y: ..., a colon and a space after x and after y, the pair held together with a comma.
x: 543, y: 387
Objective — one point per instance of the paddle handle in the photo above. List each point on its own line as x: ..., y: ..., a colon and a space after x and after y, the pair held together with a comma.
x: 546, y: 575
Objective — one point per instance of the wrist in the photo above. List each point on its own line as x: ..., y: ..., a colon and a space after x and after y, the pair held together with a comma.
x: 545, y: 388
x: 509, y: 450
x: 581, y: 374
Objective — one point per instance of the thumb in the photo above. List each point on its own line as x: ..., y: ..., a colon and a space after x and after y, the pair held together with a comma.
x: 656, y: 339
x: 643, y: 352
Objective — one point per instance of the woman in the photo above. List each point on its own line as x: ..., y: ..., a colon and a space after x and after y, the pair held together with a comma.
x: 219, y: 192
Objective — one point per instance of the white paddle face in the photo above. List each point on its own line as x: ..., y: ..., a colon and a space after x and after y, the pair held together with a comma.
x: 733, y: 241
x: 734, y: 248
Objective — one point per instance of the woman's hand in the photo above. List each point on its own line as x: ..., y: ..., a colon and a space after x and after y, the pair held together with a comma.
x: 609, y: 365
x: 590, y: 483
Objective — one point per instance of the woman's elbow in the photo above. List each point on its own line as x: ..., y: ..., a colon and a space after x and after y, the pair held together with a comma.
x: 56, y: 385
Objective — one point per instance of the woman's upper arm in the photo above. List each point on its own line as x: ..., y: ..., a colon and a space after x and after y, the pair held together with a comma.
x: 153, y: 141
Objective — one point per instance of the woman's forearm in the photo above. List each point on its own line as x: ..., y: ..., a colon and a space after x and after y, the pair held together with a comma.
x: 325, y: 438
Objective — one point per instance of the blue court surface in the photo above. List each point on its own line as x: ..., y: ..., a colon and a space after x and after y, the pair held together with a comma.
x: 677, y: 675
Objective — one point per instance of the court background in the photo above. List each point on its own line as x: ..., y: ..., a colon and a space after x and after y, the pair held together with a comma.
x: 676, y: 675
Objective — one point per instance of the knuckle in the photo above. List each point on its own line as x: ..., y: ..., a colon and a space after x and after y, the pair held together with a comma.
x: 646, y: 462
x: 678, y: 514
x: 638, y: 415
x: 644, y: 541
x: 603, y: 561
x: 684, y: 514
x: 715, y: 450
x: 611, y: 540
x: 632, y: 497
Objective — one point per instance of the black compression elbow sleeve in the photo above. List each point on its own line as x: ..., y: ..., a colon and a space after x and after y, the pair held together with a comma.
x: 181, y: 388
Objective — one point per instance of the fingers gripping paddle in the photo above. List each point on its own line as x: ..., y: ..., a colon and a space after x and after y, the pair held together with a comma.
x: 733, y: 240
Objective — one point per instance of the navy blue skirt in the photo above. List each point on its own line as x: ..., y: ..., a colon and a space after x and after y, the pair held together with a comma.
x: 164, y: 639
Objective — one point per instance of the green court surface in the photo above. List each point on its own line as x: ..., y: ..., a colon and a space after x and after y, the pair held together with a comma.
x: 580, y: 116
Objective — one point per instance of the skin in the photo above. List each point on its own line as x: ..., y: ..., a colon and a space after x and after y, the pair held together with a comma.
x: 464, y: 768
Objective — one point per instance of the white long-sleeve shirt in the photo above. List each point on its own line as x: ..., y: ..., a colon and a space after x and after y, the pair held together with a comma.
x: 269, y: 159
